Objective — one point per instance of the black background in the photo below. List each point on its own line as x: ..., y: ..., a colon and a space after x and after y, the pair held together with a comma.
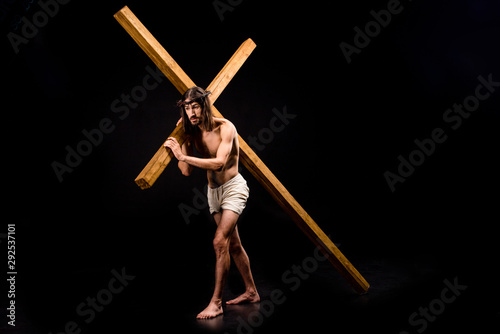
x: 352, y: 121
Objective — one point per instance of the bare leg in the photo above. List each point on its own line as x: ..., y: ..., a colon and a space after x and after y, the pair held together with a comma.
x: 221, y: 242
x: 242, y: 262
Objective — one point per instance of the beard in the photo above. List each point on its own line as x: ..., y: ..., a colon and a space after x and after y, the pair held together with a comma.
x: 195, y: 121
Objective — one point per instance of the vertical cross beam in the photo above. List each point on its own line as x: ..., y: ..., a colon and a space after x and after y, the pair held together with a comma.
x: 247, y: 156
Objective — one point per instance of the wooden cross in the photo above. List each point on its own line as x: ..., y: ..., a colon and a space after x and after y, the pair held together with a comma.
x: 250, y: 160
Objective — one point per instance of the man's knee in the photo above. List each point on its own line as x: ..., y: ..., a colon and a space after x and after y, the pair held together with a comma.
x: 221, y: 244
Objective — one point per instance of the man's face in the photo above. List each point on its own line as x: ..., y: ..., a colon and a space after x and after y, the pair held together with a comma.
x: 193, y: 111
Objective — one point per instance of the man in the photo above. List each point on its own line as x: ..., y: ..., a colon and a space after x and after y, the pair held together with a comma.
x: 217, y: 141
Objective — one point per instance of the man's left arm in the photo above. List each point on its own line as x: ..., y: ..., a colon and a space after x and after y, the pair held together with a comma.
x: 227, y: 135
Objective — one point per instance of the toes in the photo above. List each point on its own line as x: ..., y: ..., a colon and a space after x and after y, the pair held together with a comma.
x: 206, y: 316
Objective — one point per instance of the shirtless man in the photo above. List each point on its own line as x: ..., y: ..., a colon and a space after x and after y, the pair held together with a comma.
x: 217, y: 140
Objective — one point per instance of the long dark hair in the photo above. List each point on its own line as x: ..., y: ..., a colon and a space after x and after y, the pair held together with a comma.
x: 197, y: 94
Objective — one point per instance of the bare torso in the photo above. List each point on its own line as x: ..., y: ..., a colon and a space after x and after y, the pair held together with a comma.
x: 207, y: 143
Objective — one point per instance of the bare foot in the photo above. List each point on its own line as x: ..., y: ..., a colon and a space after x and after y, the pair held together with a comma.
x: 213, y: 309
x: 247, y: 298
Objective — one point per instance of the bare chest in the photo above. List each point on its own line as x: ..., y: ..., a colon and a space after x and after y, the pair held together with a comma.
x: 208, y: 144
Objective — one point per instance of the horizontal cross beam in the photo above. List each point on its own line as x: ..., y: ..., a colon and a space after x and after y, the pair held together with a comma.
x: 247, y: 156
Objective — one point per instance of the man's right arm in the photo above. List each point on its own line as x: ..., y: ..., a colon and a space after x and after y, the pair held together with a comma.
x: 187, y: 149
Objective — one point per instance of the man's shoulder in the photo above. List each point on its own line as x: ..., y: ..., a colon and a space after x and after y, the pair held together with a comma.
x: 225, y: 125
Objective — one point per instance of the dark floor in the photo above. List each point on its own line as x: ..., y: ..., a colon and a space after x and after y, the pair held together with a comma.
x: 407, y: 295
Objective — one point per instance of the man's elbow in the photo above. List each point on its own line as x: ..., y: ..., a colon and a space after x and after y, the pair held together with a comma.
x: 186, y: 169
x: 218, y: 165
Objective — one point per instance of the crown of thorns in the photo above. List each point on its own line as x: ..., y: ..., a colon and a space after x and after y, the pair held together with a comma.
x: 197, y: 99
